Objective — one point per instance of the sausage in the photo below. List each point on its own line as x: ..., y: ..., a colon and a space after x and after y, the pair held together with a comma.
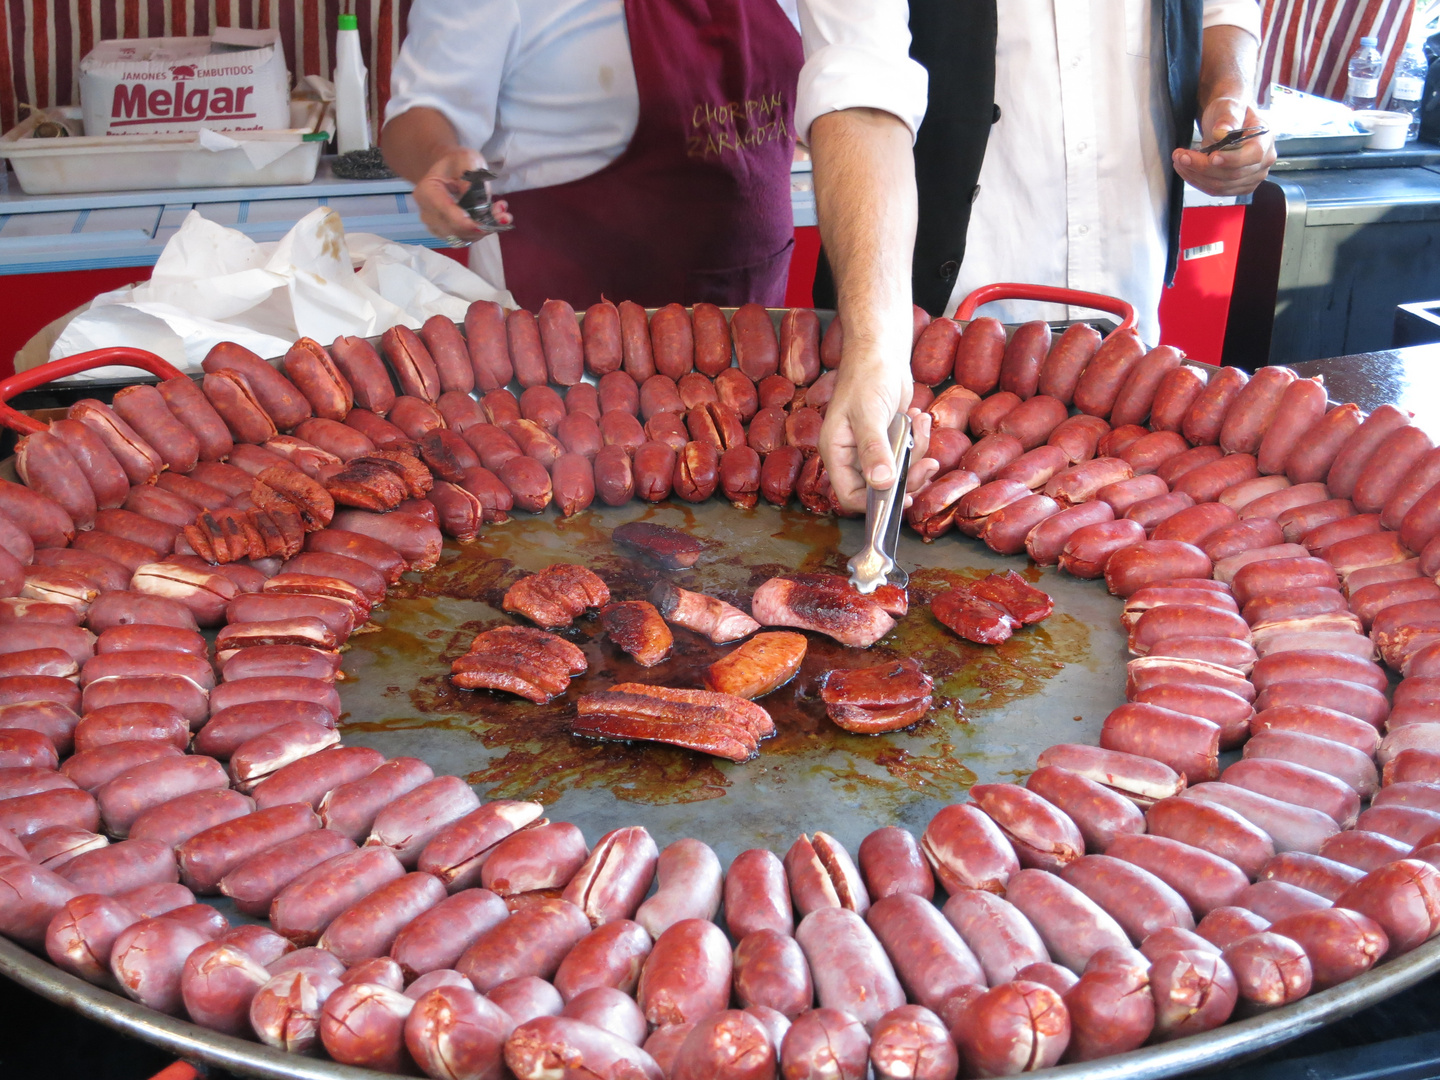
x: 125, y: 797
x: 1307, y: 789
x: 1101, y: 381
x: 770, y: 970
x: 1072, y: 926
x: 991, y: 454
x: 436, y: 938
x: 1025, y: 353
x: 1254, y: 409
x: 561, y: 342
x: 672, y: 341
x: 1078, y: 437
x: 689, y: 877
x: 453, y: 1031
x: 1393, y: 462
x: 967, y: 850
x: 654, y: 469
x: 1042, y: 835
x: 1097, y: 812
x: 1033, y: 421
x: 1298, y: 521
x: 1203, y: 422
x: 1033, y: 468
x: 24, y: 748
x: 140, y: 461
x: 1147, y: 672
x: 104, y: 478
x: 360, y: 366
x: 148, y: 959
x: 933, y: 358
x: 46, y: 465
x: 1204, y: 879
x: 254, y: 883
x: 28, y: 814
x: 1079, y: 483
x: 614, y: 879
x: 1408, y: 824
x: 1340, y: 944
x: 1066, y: 361
x: 591, y: 1051
x: 1360, y: 447
x: 364, y: 1024
x: 416, y: 817
x: 848, y: 965
x: 1336, y: 759
x: 757, y: 351
x: 187, y: 404
x: 1274, y: 575
x: 1149, y: 453
x: 231, y: 728
x: 276, y: 394
x: 757, y: 895
x: 206, y: 857
x: 1141, y: 387
x: 486, y: 342
x: 1229, y: 711
x: 610, y: 956
x: 1139, y: 902
x: 891, y: 863
x: 1333, y: 695
x: 1401, y: 898
x: 1047, y: 540
x: 1194, y: 991
x: 986, y: 416
x: 931, y: 960
x: 1176, y: 392
x: 308, y: 779
x: 1148, y: 562
x: 979, y: 354
x: 1088, y: 549
x: 1012, y: 1028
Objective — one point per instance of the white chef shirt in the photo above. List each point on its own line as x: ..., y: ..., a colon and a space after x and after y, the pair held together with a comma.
x: 545, y: 89
x: 1073, y: 189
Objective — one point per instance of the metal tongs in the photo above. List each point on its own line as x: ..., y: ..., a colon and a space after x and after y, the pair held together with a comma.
x: 476, y: 201
x: 1233, y: 139
x: 874, y: 565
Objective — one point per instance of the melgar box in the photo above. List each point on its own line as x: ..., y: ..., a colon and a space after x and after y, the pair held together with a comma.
x: 233, y: 80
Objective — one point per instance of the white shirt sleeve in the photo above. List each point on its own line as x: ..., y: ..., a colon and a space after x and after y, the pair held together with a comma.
x: 453, y: 60
x: 857, y: 55
x: 1242, y: 13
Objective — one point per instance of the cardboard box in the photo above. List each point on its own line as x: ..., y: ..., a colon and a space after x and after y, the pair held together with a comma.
x: 233, y: 80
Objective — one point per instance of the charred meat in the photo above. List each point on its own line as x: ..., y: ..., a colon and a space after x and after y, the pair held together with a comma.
x: 990, y: 610
x: 637, y: 628
x: 885, y: 697
x: 556, y: 595
x: 711, y: 723
x: 670, y: 548
x: 521, y: 660
x: 764, y: 663
x: 845, y: 615
x: 706, y: 615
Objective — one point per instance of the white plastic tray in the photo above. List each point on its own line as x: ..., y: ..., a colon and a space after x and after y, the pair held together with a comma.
x: 147, y: 162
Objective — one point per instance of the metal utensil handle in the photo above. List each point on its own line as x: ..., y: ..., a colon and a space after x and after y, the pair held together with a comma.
x: 1012, y: 290
x: 891, y: 536
x: 71, y: 365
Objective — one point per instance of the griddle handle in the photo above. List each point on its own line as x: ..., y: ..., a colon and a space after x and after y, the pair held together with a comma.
x: 1012, y: 290
x: 71, y: 365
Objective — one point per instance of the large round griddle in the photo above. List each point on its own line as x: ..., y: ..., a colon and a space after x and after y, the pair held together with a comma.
x: 997, y: 708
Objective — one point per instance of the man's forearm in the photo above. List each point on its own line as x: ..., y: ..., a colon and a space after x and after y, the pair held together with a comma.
x: 865, y: 200
x: 415, y: 140
x: 1227, y: 66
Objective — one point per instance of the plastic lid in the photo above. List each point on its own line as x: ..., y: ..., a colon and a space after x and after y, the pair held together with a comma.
x: 349, y: 22
x: 1371, y: 41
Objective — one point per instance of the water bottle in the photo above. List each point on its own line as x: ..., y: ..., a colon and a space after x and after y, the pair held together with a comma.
x: 1409, y: 85
x: 1364, y: 85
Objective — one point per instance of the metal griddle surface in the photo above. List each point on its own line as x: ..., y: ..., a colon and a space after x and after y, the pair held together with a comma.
x: 996, y: 709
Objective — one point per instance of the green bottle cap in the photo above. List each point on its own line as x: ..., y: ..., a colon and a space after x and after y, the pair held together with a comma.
x: 349, y: 22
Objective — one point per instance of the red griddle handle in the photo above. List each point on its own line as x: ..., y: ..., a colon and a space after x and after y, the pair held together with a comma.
x: 58, y: 369
x: 1053, y: 294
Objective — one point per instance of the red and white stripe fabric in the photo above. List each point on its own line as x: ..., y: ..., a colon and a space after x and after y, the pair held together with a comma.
x: 1306, y: 44
x: 42, y: 41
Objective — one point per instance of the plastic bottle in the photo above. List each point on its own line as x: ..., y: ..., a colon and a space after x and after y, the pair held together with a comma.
x: 1409, y: 85
x: 1364, y: 85
x: 352, y: 119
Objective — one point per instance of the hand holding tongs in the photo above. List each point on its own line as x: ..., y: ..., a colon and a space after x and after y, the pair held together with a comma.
x: 476, y: 201
x: 874, y: 565
x: 1233, y: 139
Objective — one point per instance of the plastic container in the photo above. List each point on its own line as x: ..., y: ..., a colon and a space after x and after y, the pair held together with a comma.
x: 1388, y: 130
x: 1363, y: 86
x: 151, y: 162
x: 352, y: 117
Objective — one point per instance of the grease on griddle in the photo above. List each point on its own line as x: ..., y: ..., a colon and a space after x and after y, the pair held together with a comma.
x: 537, y: 757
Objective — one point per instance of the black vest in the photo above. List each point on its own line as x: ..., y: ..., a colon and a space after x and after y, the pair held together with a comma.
x: 955, y: 41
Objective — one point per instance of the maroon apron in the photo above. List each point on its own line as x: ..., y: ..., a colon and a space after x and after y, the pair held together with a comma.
x: 697, y: 207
